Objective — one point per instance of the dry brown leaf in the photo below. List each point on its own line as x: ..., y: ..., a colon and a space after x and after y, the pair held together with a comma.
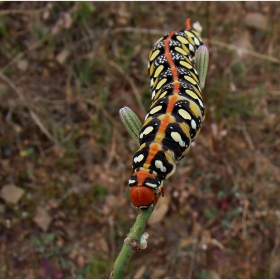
x: 185, y: 242
x: 256, y: 20
x: 62, y: 56
x: 158, y: 273
x: 42, y: 218
x: 102, y: 245
x: 81, y: 261
x: 243, y: 41
x: 67, y: 20
x: 11, y: 193
x: 160, y: 210
x: 3, y: 89
x: 140, y: 272
x: 22, y: 65
x: 213, y: 274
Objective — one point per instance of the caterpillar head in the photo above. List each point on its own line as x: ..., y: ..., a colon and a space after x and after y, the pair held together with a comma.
x: 144, y: 189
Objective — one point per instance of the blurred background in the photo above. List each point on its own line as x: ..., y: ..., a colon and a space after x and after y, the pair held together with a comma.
x: 66, y: 68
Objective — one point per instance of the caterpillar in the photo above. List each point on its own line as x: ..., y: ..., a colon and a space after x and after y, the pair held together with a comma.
x: 174, y: 118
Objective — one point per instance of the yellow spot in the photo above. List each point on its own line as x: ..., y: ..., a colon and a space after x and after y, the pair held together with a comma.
x: 176, y: 136
x: 154, y: 55
x: 139, y: 158
x: 186, y: 129
x: 160, y: 39
x: 158, y: 71
x: 185, y: 64
x: 148, y: 130
x: 194, y: 96
x: 158, y: 164
x: 154, y: 83
x: 182, y: 39
x: 185, y: 49
x: 147, y: 120
x: 197, y: 92
x: 191, y: 80
x: 161, y: 83
x: 194, y: 77
x: 157, y: 95
x: 191, y: 40
x: 188, y: 60
x: 163, y: 94
x: 184, y: 114
x: 181, y: 51
x: 152, y: 68
x: 189, y: 34
x: 195, y: 110
x: 155, y: 109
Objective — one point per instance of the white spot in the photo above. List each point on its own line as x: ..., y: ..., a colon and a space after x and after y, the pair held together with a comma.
x: 191, y: 47
x: 193, y: 124
x: 153, y: 94
x: 151, y: 185
x: 146, y: 117
x: 204, y: 247
x: 155, y: 109
x: 131, y: 181
x: 148, y: 130
x: 148, y: 64
x: 152, y: 82
x: 177, y: 138
x: 143, y: 241
x: 159, y: 165
x: 139, y: 158
x: 196, y: 41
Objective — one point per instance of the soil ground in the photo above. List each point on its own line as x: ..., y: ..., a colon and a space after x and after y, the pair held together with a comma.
x: 66, y: 68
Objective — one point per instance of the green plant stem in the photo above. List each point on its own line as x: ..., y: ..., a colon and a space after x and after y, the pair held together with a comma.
x: 126, y: 252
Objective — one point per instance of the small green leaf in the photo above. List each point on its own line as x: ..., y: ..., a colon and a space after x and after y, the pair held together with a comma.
x: 49, y: 237
x: 131, y: 122
x: 202, y: 60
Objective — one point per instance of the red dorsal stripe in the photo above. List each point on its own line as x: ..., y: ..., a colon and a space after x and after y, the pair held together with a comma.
x: 171, y: 63
x: 188, y: 23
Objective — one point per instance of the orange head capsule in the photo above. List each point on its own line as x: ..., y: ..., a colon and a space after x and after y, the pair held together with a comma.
x: 144, y: 188
x: 142, y: 197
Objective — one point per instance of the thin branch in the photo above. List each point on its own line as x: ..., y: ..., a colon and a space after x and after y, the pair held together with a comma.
x: 244, y: 216
x: 31, y: 112
x: 22, y: 54
x: 191, y: 265
x: 127, y: 250
x: 130, y: 81
x: 212, y: 41
x: 245, y: 51
x: 21, y: 12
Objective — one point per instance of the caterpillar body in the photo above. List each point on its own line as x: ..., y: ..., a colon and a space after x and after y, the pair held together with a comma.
x: 174, y: 118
